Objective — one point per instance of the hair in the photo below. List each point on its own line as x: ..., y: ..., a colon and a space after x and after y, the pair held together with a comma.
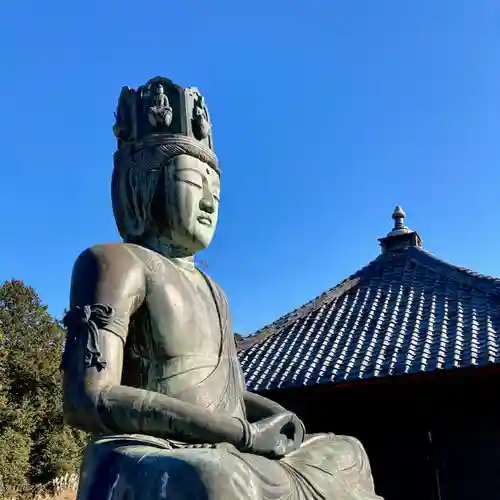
x: 133, y: 187
x: 137, y: 175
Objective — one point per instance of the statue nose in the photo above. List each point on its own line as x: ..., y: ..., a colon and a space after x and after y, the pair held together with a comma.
x: 207, y: 200
x: 207, y: 204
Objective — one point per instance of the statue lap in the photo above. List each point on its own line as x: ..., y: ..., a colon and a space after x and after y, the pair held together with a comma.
x: 138, y: 467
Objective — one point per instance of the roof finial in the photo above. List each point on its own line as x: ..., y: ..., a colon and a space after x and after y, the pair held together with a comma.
x: 399, y: 218
x: 400, y: 237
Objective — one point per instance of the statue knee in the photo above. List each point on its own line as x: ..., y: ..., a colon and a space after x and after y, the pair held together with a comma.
x: 182, y: 481
x: 355, y: 461
x: 146, y: 473
x: 170, y: 477
x: 194, y: 476
x: 349, y: 452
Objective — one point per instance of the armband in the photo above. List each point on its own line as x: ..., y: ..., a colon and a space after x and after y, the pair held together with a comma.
x: 85, y: 321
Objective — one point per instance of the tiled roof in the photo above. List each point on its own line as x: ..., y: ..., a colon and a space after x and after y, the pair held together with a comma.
x: 405, y: 312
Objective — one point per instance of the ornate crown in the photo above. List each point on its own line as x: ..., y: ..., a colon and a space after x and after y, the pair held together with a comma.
x: 161, y: 113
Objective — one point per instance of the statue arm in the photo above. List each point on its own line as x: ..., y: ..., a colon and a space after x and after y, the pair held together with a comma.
x: 258, y: 407
x: 108, y: 286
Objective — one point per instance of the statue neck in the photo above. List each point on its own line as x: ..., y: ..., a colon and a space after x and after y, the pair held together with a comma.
x: 168, y: 249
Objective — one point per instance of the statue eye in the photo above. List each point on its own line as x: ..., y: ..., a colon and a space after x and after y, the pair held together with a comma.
x: 189, y: 181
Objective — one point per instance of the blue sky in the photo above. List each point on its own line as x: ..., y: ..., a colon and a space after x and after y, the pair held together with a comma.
x: 326, y: 113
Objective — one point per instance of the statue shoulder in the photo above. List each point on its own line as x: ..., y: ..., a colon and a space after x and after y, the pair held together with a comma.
x: 220, y: 295
x: 109, y: 270
x: 109, y: 257
x: 214, y: 284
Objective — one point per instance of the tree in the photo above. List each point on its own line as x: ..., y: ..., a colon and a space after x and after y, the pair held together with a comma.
x: 35, y: 445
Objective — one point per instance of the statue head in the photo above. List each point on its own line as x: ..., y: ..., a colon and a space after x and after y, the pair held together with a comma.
x: 166, y: 181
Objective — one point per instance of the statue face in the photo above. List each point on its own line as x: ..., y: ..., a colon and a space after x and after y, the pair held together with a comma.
x: 192, y: 197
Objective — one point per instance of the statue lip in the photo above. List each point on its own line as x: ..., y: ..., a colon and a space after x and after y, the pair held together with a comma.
x: 203, y: 219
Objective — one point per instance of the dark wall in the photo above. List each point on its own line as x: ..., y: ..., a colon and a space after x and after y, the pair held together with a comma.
x: 428, y: 438
x: 400, y: 463
x: 468, y: 455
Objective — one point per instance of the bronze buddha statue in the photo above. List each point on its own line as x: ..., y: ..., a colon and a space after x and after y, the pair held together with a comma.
x: 150, y: 364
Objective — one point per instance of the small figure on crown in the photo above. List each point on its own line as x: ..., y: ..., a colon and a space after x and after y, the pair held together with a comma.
x: 201, y: 125
x: 160, y: 113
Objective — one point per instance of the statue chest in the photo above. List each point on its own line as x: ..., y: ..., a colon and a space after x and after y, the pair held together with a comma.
x: 179, y: 318
x: 176, y: 345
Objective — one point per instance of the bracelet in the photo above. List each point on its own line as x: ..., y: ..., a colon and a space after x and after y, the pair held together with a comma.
x: 248, y: 435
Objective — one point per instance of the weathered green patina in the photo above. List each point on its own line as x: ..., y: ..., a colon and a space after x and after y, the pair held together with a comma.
x: 151, y: 365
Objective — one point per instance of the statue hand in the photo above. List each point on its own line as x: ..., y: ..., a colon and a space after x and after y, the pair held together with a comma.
x: 276, y: 436
x: 300, y: 430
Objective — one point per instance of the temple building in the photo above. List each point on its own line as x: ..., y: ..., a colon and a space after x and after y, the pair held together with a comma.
x: 404, y: 355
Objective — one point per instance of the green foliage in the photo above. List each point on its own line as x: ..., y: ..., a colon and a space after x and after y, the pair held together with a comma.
x: 35, y: 445
x: 15, y: 464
